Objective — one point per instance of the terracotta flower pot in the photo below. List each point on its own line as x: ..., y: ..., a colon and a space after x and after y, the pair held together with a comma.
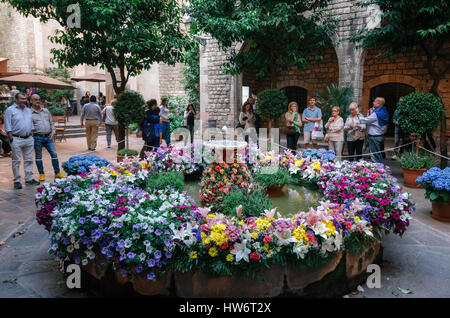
x: 441, y: 211
x: 410, y: 176
x: 139, y: 134
x: 275, y: 191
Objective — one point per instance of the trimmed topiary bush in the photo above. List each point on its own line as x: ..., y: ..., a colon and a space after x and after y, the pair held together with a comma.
x: 419, y: 113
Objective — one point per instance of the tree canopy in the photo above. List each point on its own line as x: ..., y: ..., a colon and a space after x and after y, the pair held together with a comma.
x: 278, y: 34
x: 128, y: 35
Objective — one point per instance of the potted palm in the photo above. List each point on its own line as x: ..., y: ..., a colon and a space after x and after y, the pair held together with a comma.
x: 436, y: 183
x: 414, y: 164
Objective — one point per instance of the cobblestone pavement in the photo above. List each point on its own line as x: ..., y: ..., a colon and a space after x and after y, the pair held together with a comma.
x: 418, y: 261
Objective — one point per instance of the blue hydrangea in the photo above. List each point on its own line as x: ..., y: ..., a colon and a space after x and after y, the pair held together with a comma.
x: 439, y: 179
x: 82, y: 164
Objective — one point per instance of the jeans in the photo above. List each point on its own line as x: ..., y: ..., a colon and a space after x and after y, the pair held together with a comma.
x: 109, y: 130
x: 355, y: 146
x: 40, y: 142
x: 376, y: 144
x: 292, y: 141
x: 26, y: 147
x: 191, y: 130
x: 166, y: 132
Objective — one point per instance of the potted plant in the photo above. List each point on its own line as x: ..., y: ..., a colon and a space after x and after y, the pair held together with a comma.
x: 414, y: 164
x: 418, y: 114
x: 133, y: 128
x: 122, y: 153
x: 57, y: 112
x: 274, y: 182
x: 436, y: 183
x: 176, y: 121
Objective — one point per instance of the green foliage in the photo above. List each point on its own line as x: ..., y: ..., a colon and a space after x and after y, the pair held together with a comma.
x: 253, y: 204
x: 421, y: 160
x: 281, y: 176
x: 3, y: 107
x: 419, y: 112
x: 54, y: 95
x: 434, y: 195
x: 272, y: 103
x: 133, y: 128
x: 177, y: 104
x: 163, y: 180
x: 123, y: 34
x: 56, y: 110
x: 177, y: 122
x: 334, y: 96
x: 357, y: 243
x: 127, y: 152
x: 191, y: 74
x: 129, y: 108
x: 278, y: 34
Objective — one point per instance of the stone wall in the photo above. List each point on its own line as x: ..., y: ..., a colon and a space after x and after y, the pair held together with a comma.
x: 170, y: 80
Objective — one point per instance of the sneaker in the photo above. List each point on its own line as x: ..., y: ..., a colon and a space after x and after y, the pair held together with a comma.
x: 17, y: 185
x: 59, y: 176
x: 32, y: 182
x: 394, y: 157
x: 41, y: 177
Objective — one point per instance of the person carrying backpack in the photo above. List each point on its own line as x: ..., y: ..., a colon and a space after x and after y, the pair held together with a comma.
x: 151, y: 128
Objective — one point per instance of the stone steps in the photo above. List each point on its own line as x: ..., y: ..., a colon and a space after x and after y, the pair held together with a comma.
x: 75, y: 131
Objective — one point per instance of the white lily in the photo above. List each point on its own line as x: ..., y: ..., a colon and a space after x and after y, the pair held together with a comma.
x: 285, y: 237
x: 241, y: 251
x: 270, y: 213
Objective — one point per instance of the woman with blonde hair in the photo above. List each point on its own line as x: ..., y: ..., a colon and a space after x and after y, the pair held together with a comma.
x: 355, y: 132
x: 335, y: 126
x: 293, y: 124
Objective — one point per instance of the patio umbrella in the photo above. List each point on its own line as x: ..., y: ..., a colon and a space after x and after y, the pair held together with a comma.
x: 36, y: 81
x: 94, y: 77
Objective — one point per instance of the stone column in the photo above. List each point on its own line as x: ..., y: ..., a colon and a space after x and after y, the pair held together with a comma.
x: 351, y: 67
x: 204, y: 97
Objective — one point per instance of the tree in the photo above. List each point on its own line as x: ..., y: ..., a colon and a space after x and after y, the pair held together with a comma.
x: 191, y: 74
x: 278, y: 34
x: 127, y: 35
x: 129, y: 108
x: 414, y: 25
x: 272, y: 103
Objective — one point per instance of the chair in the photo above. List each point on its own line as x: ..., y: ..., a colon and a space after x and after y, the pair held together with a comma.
x: 61, y: 129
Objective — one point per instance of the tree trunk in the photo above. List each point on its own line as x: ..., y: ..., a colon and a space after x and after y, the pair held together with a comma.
x: 443, y: 130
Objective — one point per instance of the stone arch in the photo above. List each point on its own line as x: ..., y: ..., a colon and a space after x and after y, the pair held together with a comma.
x: 420, y: 86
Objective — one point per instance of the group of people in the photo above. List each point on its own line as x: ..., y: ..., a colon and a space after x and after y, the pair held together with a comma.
x: 156, y: 124
x: 28, y: 130
x: 375, y: 125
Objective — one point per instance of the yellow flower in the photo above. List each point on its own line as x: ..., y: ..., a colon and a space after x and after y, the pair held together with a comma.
x: 213, y: 252
x: 210, y: 216
x: 299, y: 234
x: 206, y: 240
x: 225, y: 181
x: 357, y: 219
x: 262, y: 224
x: 143, y: 165
x: 115, y: 174
x: 193, y: 255
x: 230, y: 258
x: 254, y: 235
x: 316, y: 165
x: 298, y: 162
x: 222, y: 171
x: 266, y: 246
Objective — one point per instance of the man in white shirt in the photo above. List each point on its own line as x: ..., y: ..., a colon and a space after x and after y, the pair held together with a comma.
x: 110, y: 122
x: 376, y: 125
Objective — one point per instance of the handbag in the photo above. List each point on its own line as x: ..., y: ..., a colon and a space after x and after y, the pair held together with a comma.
x: 317, y: 132
x: 290, y: 130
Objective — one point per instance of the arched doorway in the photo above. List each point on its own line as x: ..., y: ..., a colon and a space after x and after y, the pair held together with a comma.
x: 391, y: 93
x: 296, y: 94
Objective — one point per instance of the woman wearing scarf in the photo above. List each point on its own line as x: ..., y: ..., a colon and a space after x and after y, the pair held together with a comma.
x: 376, y: 125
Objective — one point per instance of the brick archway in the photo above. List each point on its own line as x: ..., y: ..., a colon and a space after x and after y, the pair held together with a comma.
x: 420, y: 86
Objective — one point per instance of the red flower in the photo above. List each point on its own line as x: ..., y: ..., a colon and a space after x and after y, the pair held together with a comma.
x: 205, y: 227
x: 254, y: 257
x: 267, y: 239
x: 224, y: 246
x: 217, y: 168
x: 348, y: 225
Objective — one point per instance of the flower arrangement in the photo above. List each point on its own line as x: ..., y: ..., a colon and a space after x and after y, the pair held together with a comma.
x: 188, y: 159
x: 222, y: 245
x: 83, y: 164
x: 436, y: 183
x: 219, y: 178
x: 113, y: 211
